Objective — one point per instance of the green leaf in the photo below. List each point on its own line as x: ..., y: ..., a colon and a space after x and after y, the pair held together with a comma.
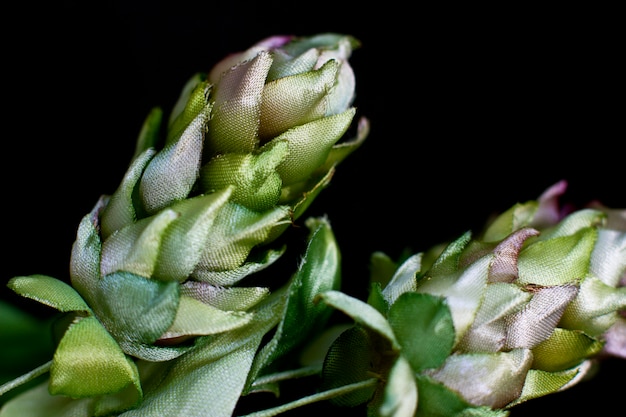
x: 49, y: 291
x: 400, y: 395
x: 88, y: 362
x: 353, y: 357
x: 422, y: 324
x: 210, y: 378
x: 376, y: 299
x: 557, y: 261
x: 540, y: 383
x: 135, y: 309
x: 361, y: 312
x: 195, y: 318
x: 319, y: 271
x: 564, y: 349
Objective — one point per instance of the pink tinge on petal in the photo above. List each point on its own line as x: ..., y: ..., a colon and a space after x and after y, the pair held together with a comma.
x: 536, y: 322
x: 549, y: 211
x: 274, y: 42
x: 615, y: 339
x: 504, y: 265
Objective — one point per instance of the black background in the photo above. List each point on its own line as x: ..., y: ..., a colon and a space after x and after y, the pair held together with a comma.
x: 472, y: 110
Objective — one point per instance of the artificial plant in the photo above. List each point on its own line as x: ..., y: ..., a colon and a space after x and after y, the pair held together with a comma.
x: 175, y: 304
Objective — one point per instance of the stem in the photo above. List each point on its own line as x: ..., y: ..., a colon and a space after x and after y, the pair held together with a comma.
x: 25, y: 378
x: 292, y: 374
x: 325, y: 395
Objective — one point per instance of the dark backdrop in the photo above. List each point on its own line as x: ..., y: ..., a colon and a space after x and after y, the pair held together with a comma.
x: 472, y: 110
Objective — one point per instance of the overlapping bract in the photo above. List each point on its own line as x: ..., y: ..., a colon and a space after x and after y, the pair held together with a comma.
x: 157, y: 265
x: 522, y: 311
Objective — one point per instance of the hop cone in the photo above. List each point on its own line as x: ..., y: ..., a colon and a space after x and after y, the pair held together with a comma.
x: 526, y: 309
x: 156, y: 267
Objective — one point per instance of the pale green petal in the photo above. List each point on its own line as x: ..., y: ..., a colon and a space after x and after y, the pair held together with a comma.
x: 536, y: 322
x: 596, y: 307
x: 85, y: 256
x: 296, y: 100
x: 173, y: 171
x: 400, y: 396
x: 120, y: 210
x: 488, y: 331
x: 463, y: 291
x: 540, y: 383
x: 608, y: 260
x: 310, y: 144
x: 236, y: 113
x: 195, y: 318
x: 197, y: 103
x: 188, y: 235
x: 229, y: 246
x: 518, y: 216
x: 256, y: 182
x: 564, y: 349
x: 136, y: 247
x: 557, y: 261
x: 224, y: 298
x: 487, y: 379
x: 136, y: 310
x: 286, y: 65
x: 404, y: 279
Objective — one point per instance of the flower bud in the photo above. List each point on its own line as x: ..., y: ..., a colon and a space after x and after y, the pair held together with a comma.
x: 521, y: 311
x: 246, y: 149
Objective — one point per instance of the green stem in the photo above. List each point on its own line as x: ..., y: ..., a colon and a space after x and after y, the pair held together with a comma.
x: 292, y: 374
x: 325, y: 395
x: 25, y: 378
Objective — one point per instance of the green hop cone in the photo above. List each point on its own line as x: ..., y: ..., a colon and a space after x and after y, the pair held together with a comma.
x: 526, y: 309
x: 156, y: 266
